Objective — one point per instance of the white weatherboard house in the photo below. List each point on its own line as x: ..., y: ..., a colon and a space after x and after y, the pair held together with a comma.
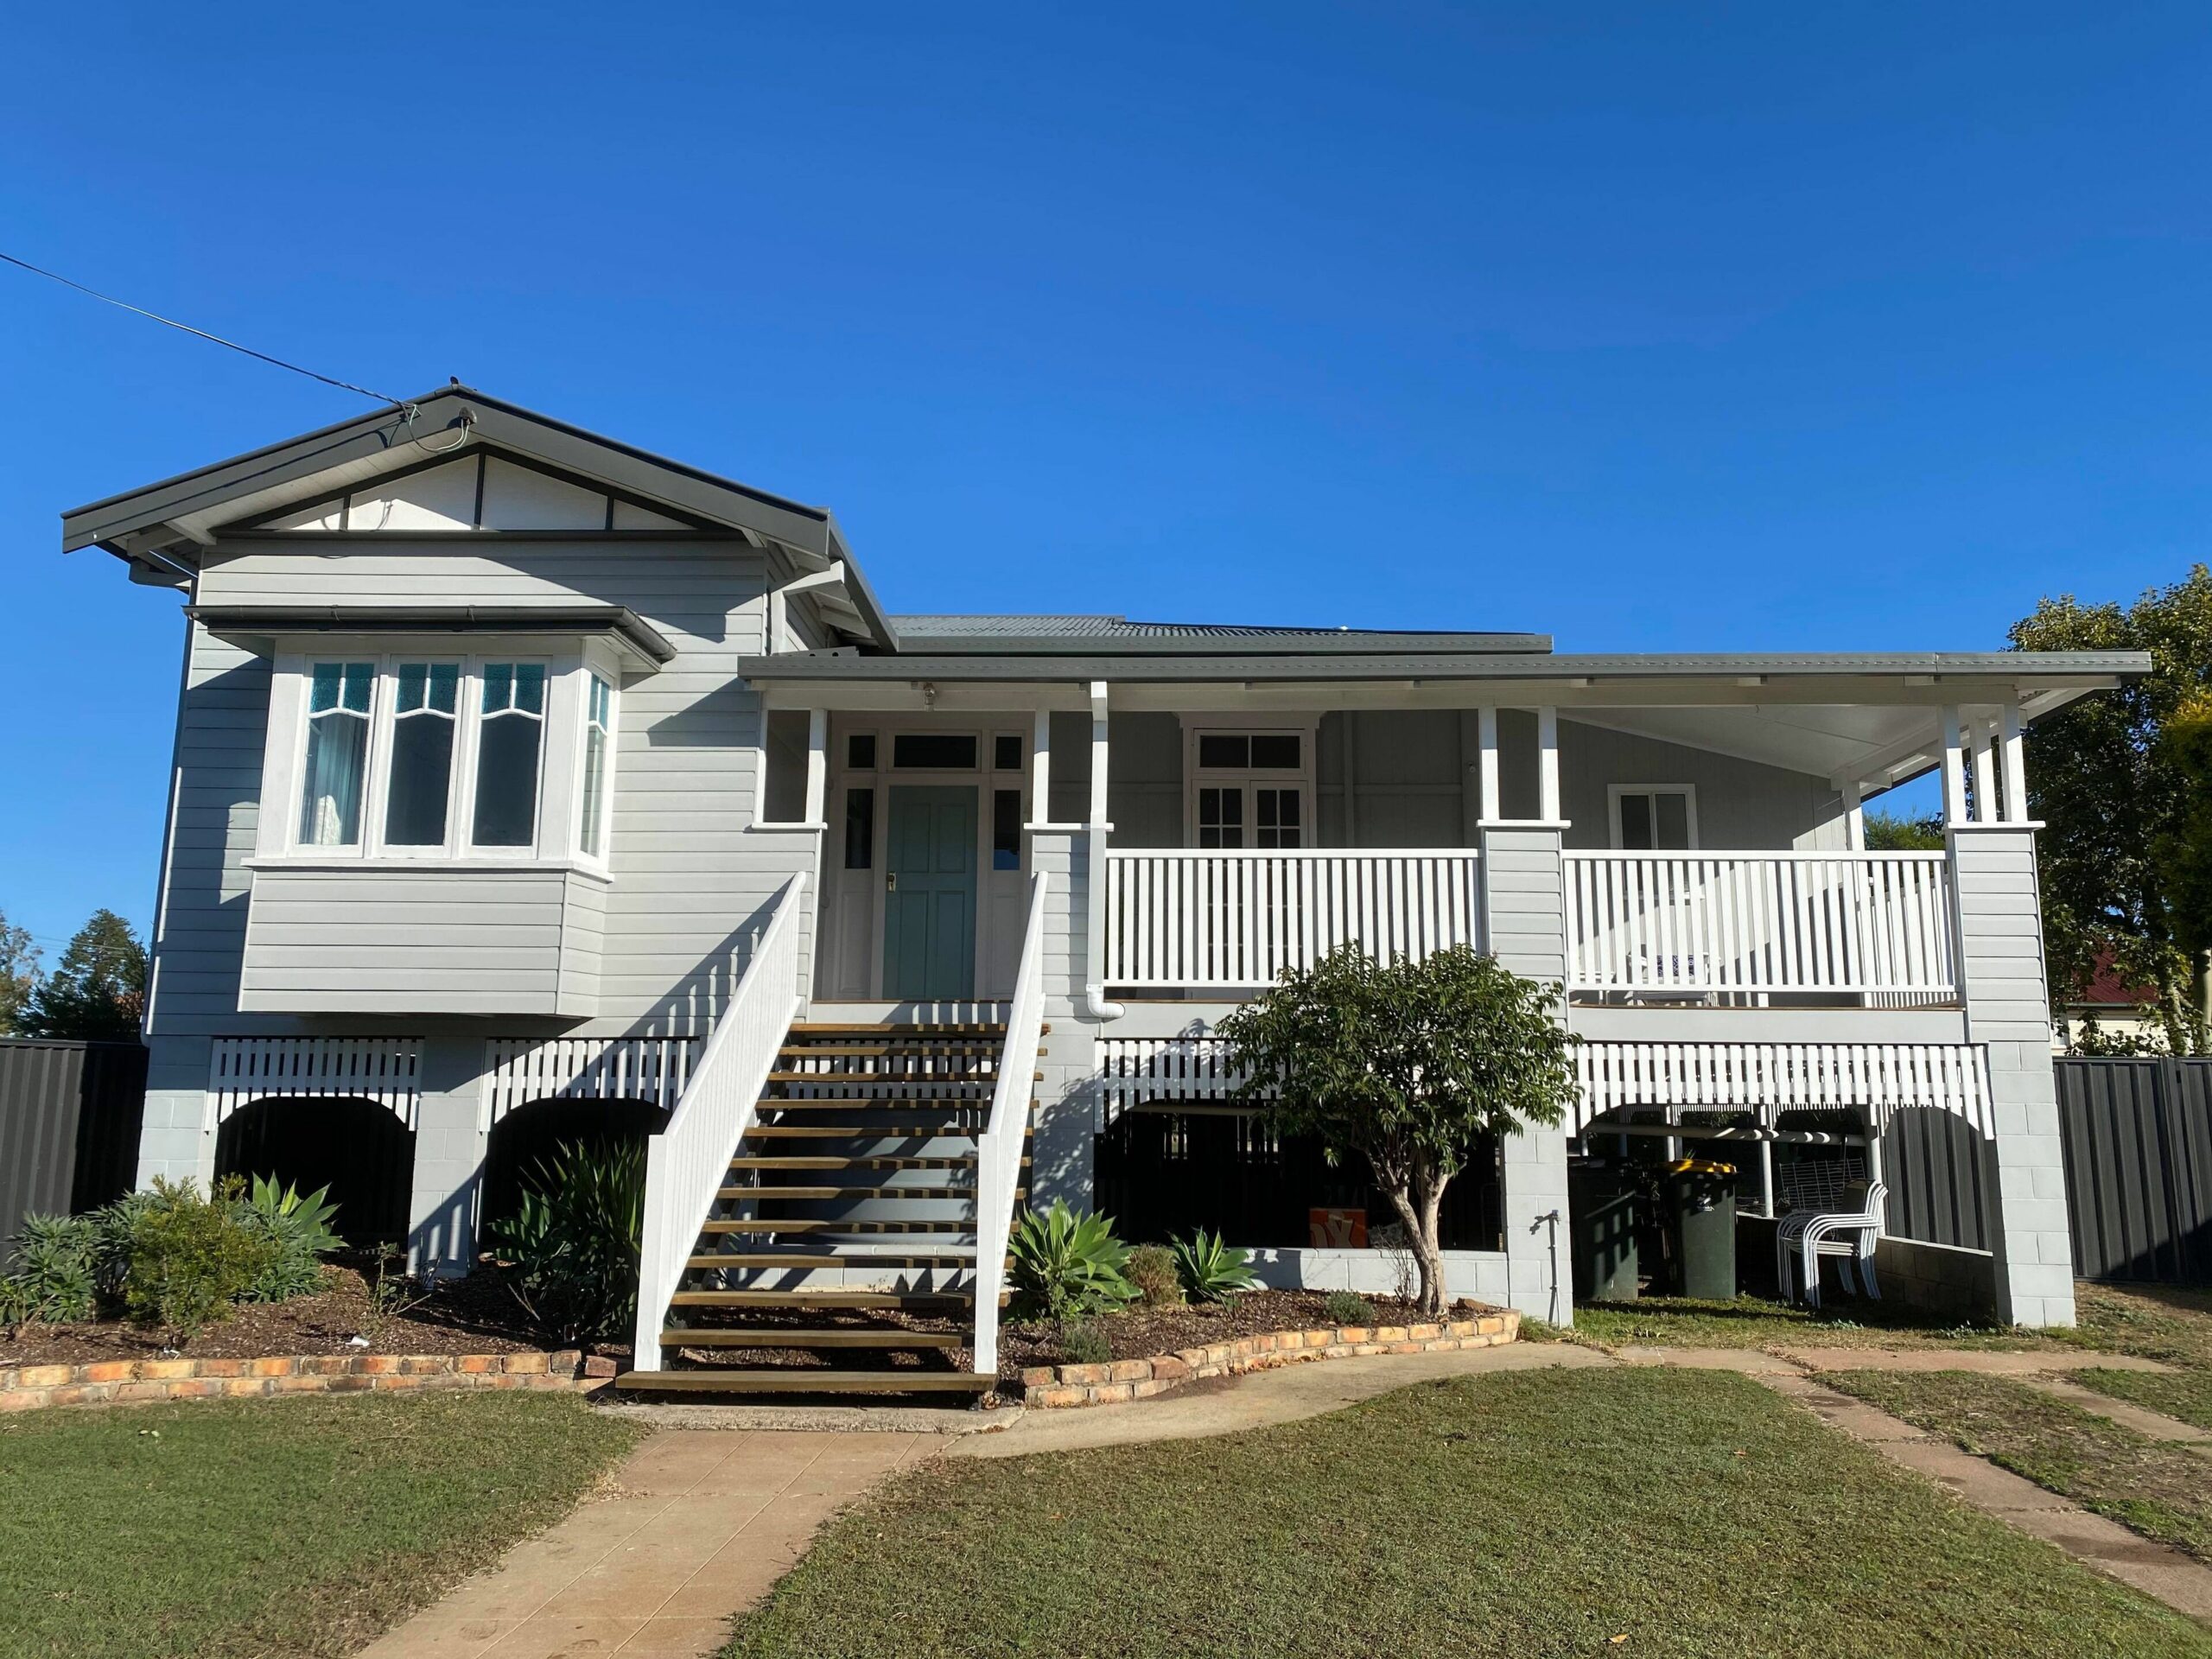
x: 527, y: 783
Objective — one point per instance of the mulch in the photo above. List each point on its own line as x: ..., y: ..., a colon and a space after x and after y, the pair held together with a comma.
x: 475, y: 1315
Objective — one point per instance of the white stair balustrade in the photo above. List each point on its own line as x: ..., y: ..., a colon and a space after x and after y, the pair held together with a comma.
x: 687, y: 1163
x: 1000, y: 1149
x: 1236, y: 919
x: 1873, y: 926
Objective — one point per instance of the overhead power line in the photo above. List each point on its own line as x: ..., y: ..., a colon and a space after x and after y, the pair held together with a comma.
x: 125, y: 305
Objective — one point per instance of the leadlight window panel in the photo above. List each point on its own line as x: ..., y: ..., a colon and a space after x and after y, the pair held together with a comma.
x: 860, y: 751
x: 599, y: 743
x: 425, y: 715
x: 860, y: 828
x: 1006, y: 829
x: 1221, y: 817
x: 1006, y: 752
x: 508, y: 742
x: 937, y: 751
x: 337, y: 753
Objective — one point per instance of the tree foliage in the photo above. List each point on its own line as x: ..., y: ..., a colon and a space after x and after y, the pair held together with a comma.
x: 18, y: 977
x: 2121, y: 782
x: 98, y: 991
x: 1412, y: 1064
x: 1893, y: 832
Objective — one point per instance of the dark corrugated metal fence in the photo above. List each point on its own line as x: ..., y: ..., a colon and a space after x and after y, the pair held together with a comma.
x: 2137, y: 1141
x: 69, y: 1120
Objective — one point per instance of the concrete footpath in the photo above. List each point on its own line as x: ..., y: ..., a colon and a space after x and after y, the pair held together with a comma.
x: 702, y: 1520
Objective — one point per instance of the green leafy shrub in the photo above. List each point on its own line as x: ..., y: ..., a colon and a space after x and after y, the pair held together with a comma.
x: 1347, y: 1307
x: 572, y: 1244
x: 1152, y: 1269
x: 1082, y: 1343
x: 190, y: 1257
x: 56, y: 1278
x: 297, y: 1230
x: 1211, y: 1271
x: 1067, y: 1263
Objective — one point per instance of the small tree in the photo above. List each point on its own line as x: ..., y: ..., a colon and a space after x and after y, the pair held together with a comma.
x: 18, y: 976
x: 1410, y: 1063
x: 98, y: 991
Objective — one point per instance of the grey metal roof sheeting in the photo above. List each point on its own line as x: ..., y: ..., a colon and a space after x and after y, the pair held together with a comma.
x: 1021, y: 635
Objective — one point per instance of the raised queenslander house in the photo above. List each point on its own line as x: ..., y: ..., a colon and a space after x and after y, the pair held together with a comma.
x: 529, y: 786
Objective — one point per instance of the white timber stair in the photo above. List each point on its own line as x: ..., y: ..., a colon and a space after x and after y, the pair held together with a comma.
x: 840, y: 1257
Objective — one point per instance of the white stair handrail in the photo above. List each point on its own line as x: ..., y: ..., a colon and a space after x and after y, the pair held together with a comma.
x: 999, y: 1153
x: 688, y: 1161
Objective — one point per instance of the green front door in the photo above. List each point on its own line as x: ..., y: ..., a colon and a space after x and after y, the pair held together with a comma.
x: 929, y: 905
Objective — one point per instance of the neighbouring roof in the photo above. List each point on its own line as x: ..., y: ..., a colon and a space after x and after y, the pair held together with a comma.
x: 1019, y: 635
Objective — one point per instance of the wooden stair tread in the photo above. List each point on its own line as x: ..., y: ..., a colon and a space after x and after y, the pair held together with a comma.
x: 835, y: 1224
x: 884, y: 1336
x: 800, y: 1194
x: 720, y: 1259
x: 793, y: 1379
x: 824, y: 1298
x: 845, y: 1028
x: 880, y: 1160
x: 865, y: 1077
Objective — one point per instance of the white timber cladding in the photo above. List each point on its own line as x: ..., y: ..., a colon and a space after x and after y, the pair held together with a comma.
x: 517, y: 1071
x: 1760, y: 922
x: 478, y: 490
x: 385, y: 1069
x: 686, y: 881
x: 1873, y: 1079
x: 1228, y: 918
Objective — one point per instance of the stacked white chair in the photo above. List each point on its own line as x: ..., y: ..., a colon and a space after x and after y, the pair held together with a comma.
x: 1850, y: 1237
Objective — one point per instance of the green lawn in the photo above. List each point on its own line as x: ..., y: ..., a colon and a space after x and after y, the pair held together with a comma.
x: 294, y: 1527
x: 1752, y: 1322
x: 2163, y: 1491
x: 2154, y: 1322
x: 1531, y: 1513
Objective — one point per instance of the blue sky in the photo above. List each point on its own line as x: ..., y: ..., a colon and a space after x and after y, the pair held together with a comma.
x: 1732, y: 327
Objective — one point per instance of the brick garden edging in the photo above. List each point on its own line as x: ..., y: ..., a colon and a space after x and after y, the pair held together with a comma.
x: 1051, y: 1386
x: 26, y: 1387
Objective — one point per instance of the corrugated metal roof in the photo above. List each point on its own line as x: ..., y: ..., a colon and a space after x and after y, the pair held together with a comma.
x: 1084, y: 627
x: 1060, y: 635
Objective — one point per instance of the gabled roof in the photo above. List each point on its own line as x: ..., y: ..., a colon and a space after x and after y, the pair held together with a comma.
x: 159, y: 526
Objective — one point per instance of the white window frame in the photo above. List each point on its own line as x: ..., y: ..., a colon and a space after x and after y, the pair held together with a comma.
x: 549, y: 700
x: 1250, y: 777
x: 1615, y: 791
x: 383, y: 721
x: 555, y: 839
x: 593, y: 670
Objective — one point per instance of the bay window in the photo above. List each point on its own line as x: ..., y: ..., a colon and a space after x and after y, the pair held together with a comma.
x: 408, y: 756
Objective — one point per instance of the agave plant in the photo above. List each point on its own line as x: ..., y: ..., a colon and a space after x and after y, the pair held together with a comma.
x: 297, y: 1229
x: 1067, y: 1263
x: 55, y: 1280
x: 1211, y: 1270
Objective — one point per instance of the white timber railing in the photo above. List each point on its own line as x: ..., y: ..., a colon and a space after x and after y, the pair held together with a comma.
x: 1236, y: 919
x: 687, y: 1162
x: 999, y: 1152
x: 1876, y: 926
x: 387, y: 1069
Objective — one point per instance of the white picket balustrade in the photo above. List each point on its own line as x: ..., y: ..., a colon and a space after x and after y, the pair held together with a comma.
x: 1235, y: 918
x: 687, y: 1162
x: 999, y: 1151
x: 387, y: 1069
x: 1876, y: 925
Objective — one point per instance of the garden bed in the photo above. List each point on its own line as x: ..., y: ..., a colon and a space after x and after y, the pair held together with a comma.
x: 475, y: 1315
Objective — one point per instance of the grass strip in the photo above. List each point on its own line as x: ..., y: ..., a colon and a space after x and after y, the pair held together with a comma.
x: 295, y: 1527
